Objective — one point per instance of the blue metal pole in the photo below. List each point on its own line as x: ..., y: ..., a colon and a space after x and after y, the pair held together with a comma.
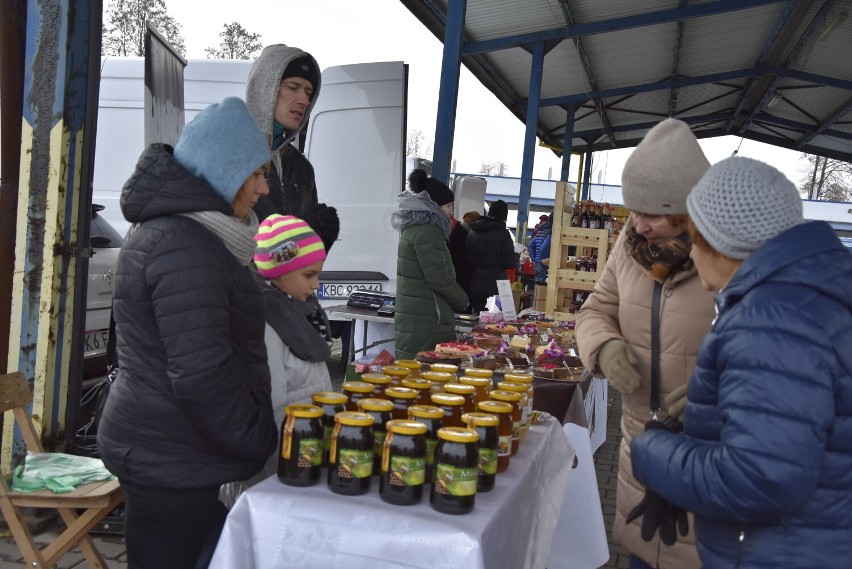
x: 566, y: 142
x: 587, y: 171
x: 536, y: 73
x: 449, y: 90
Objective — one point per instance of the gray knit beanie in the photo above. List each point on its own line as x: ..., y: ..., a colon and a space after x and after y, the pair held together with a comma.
x: 660, y: 172
x: 223, y: 146
x: 742, y: 203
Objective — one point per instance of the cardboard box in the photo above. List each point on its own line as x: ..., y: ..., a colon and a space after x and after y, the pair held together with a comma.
x: 540, y: 297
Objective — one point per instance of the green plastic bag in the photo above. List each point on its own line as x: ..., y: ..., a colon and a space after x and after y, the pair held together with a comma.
x: 57, y: 472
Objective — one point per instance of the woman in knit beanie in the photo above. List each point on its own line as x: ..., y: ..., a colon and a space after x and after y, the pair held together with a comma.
x: 491, y: 251
x: 191, y: 407
x: 289, y: 258
x: 765, y: 460
x: 427, y: 294
x: 644, y: 322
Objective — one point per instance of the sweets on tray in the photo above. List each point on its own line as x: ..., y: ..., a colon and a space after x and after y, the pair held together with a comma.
x: 459, y: 349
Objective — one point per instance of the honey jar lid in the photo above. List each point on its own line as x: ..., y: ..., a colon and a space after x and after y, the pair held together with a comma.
x: 478, y: 372
x: 445, y: 368
x: 416, y: 383
x: 503, y: 395
x: 303, y: 411
x: 513, y: 386
x: 408, y: 364
x: 357, y: 386
x: 447, y: 399
x: 398, y: 371
x: 494, y: 407
x: 403, y: 427
x: 426, y: 411
x: 376, y: 378
x: 437, y: 376
x: 475, y: 381
x: 375, y: 404
x: 519, y: 377
x: 329, y: 397
x: 401, y: 392
x: 458, y: 435
x: 459, y: 388
x: 354, y: 419
x: 480, y: 420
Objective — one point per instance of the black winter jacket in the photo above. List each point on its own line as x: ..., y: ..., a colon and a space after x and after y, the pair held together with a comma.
x: 491, y: 251
x: 294, y: 192
x: 191, y: 407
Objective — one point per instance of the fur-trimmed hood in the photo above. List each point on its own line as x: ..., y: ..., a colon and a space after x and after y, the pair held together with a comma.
x: 419, y: 209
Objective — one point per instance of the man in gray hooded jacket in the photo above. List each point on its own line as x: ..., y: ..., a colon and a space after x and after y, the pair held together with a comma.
x: 282, y: 88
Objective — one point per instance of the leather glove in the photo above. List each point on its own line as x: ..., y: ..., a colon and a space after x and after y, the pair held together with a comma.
x: 618, y: 364
x: 676, y: 402
x: 658, y: 513
x: 324, y: 220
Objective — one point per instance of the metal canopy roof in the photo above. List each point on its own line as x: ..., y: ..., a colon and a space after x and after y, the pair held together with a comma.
x: 774, y: 71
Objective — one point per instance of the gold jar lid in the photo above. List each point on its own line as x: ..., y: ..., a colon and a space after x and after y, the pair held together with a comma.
x: 513, y: 386
x: 376, y: 378
x: 425, y: 411
x: 478, y: 372
x: 518, y: 377
x: 475, y: 381
x: 439, y: 377
x: 403, y: 427
x: 503, y: 395
x: 398, y: 371
x: 375, y: 404
x: 354, y: 419
x: 447, y: 399
x: 401, y: 392
x: 494, y: 407
x: 458, y: 435
x: 480, y: 420
x: 444, y: 368
x: 303, y: 411
x: 329, y: 397
x: 357, y: 386
x: 408, y: 364
x: 416, y: 383
x: 459, y: 389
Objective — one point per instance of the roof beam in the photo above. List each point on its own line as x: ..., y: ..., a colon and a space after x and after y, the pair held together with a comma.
x: 614, y: 24
x: 841, y: 111
x: 676, y: 61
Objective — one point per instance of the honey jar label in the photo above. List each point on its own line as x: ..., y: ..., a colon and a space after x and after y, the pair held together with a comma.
x: 454, y: 480
x: 505, y: 445
x: 326, y: 434
x: 354, y: 463
x: 488, y: 461
x: 407, y: 471
x: 378, y: 442
x: 430, y: 451
x: 310, y: 453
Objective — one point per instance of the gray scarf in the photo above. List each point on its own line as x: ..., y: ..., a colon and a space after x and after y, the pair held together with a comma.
x: 237, y: 235
x: 290, y: 318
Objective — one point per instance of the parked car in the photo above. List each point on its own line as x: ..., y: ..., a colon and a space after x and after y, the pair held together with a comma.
x: 106, y: 243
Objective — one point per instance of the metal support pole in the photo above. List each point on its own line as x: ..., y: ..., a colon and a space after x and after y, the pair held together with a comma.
x: 566, y: 141
x: 587, y: 171
x: 536, y: 72
x: 448, y: 94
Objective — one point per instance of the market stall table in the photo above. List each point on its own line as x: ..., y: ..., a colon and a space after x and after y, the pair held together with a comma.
x: 511, y: 527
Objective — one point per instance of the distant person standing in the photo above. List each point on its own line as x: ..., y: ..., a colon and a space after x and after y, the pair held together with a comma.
x: 458, y: 248
x: 492, y: 252
x: 282, y: 88
x: 539, y: 248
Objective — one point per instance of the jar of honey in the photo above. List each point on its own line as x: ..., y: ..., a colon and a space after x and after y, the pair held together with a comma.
x: 423, y: 388
x: 350, y: 457
x: 453, y: 407
x: 503, y: 412
x: 456, y: 471
x: 526, y: 379
x: 485, y: 425
x: 413, y: 366
x: 355, y: 391
x: 445, y: 368
x: 403, y: 466
x: 466, y: 391
x: 331, y: 403
x: 396, y: 373
x: 380, y: 410
x: 379, y: 381
x: 482, y: 385
x: 402, y: 398
x: 438, y: 379
x: 433, y: 418
x: 526, y: 410
x: 300, y: 459
x: 514, y: 399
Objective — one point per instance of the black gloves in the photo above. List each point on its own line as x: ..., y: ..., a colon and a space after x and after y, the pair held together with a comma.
x: 657, y: 512
x: 324, y: 220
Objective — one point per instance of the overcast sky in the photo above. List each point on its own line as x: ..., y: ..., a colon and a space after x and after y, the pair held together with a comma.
x: 339, y: 32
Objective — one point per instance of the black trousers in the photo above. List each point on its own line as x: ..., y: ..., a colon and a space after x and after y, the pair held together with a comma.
x: 175, y: 529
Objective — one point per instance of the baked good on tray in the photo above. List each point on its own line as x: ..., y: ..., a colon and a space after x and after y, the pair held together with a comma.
x: 431, y: 357
x: 460, y: 350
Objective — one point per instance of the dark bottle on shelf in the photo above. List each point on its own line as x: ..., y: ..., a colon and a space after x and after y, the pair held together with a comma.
x: 584, y: 217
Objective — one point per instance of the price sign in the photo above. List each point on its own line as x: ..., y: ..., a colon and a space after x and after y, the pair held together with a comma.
x: 507, y: 301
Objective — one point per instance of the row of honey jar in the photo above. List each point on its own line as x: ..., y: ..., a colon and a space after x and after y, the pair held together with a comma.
x: 456, y: 460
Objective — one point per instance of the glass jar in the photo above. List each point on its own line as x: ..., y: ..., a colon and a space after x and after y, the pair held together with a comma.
x: 514, y: 399
x: 485, y: 425
x: 526, y: 410
x: 397, y: 373
x: 381, y: 411
x: 355, y: 391
x: 480, y: 372
x: 300, y: 459
x: 331, y: 403
x: 379, y: 381
x: 433, y: 418
x: 445, y: 368
x: 526, y: 379
x: 466, y: 391
x: 350, y: 457
x: 456, y: 471
x: 438, y: 379
x: 403, y: 467
x: 402, y: 398
x: 413, y: 366
x: 503, y: 412
x: 481, y: 384
x: 453, y: 407
x: 423, y: 387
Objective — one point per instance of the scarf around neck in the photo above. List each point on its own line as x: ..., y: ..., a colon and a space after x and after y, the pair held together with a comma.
x: 237, y: 235
x: 291, y: 320
x: 659, y: 261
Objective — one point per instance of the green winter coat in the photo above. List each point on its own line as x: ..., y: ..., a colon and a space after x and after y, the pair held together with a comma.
x: 427, y: 293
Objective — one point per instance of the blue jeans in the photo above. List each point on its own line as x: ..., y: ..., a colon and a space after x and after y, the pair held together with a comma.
x: 540, y: 273
x: 636, y: 563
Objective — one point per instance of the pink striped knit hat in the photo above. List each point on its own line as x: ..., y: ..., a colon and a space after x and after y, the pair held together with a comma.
x: 285, y: 244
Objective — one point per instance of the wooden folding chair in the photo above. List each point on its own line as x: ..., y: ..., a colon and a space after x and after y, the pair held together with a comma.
x: 96, y: 499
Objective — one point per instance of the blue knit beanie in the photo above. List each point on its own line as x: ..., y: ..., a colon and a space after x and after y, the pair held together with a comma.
x: 223, y: 146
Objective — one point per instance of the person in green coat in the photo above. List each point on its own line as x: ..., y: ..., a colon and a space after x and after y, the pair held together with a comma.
x: 427, y: 294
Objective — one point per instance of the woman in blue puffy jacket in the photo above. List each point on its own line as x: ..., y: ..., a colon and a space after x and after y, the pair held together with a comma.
x: 765, y: 461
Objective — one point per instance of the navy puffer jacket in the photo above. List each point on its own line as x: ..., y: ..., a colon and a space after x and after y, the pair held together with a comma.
x: 191, y: 407
x: 766, y: 460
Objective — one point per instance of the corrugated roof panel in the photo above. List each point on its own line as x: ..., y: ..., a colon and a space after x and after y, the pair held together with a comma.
x: 598, y: 10
x: 631, y: 57
x: 706, y: 98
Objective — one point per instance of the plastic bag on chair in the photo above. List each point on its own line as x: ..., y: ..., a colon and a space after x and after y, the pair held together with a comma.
x: 57, y: 472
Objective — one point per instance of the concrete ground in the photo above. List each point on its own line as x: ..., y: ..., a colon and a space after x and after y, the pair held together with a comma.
x: 114, y: 552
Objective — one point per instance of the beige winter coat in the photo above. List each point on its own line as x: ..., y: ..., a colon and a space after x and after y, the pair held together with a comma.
x: 620, y: 307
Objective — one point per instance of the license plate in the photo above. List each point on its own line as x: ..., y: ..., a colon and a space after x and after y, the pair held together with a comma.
x: 343, y: 290
x: 96, y: 342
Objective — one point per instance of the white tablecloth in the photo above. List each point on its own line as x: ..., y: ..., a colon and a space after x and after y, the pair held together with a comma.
x: 511, y: 527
